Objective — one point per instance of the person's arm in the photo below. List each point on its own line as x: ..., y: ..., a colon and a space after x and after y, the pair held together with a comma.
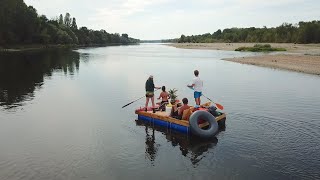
x: 192, y: 85
x: 160, y: 96
x: 180, y: 111
x: 156, y: 87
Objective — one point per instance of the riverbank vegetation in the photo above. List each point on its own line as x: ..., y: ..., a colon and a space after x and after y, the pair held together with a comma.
x: 260, y: 48
x: 20, y: 25
x: 303, y: 32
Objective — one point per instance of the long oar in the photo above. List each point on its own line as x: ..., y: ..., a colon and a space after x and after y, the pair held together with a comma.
x: 217, y: 104
x: 135, y: 100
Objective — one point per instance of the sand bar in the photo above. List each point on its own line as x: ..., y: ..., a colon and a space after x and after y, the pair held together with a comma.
x: 300, y: 63
x: 301, y: 58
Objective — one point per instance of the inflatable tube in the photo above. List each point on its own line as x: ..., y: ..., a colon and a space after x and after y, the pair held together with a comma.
x: 203, y: 115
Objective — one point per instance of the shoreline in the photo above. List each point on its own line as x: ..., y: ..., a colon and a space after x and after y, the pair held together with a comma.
x: 36, y: 47
x: 298, y: 63
x: 303, y: 58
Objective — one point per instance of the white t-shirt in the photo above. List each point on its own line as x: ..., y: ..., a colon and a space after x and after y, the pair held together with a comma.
x: 198, y: 84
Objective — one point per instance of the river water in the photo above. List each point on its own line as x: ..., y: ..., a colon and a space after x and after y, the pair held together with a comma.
x: 61, y: 117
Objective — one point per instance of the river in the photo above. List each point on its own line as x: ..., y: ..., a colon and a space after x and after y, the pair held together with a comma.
x: 61, y: 117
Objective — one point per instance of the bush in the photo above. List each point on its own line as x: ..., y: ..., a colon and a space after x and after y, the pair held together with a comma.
x: 260, y: 48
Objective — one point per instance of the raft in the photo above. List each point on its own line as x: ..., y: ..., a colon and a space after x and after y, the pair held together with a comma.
x: 161, y: 118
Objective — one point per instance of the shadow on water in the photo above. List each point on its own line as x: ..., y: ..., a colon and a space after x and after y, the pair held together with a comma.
x: 21, y: 73
x: 191, y: 147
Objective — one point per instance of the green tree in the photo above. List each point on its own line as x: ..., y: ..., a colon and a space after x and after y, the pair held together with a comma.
x: 67, y: 20
x: 182, y: 39
x: 74, y: 24
x: 61, y: 19
x: 21, y: 24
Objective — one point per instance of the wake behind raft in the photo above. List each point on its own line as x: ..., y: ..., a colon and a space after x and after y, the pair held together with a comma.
x: 201, y: 122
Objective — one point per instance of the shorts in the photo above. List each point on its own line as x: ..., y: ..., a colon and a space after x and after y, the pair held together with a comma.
x: 163, y: 105
x: 149, y: 94
x: 197, y: 94
x: 164, y: 102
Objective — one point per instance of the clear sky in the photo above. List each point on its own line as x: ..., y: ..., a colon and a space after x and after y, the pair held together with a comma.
x: 163, y: 19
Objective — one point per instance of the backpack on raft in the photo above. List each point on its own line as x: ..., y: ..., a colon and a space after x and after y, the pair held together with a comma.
x: 213, y: 110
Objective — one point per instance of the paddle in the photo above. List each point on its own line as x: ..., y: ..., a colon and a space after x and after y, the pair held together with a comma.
x: 217, y: 104
x: 136, y: 100
x: 133, y: 101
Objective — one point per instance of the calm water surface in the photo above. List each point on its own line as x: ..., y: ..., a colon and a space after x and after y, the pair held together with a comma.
x: 61, y: 117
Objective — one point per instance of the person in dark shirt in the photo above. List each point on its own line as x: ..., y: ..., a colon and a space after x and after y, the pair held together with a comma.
x: 150, y: 91
x: 175, y: 110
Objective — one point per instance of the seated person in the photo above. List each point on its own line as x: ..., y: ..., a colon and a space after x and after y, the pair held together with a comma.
x: 183, y: 107
x: 175, y: 110
x: 165, y: 96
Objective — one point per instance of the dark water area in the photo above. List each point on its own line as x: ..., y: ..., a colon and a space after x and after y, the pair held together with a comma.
x: 61, y: 117
x: 24, y: 72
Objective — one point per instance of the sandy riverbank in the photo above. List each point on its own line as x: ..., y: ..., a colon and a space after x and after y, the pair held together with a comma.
x: 302, y: 58
x: 300, y: 63
x: 294, y: 48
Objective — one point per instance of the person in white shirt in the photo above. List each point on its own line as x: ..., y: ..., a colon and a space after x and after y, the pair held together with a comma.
x: 197, y: 85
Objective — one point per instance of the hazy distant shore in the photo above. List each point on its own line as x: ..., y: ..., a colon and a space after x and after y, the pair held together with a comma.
x: 304, y: 58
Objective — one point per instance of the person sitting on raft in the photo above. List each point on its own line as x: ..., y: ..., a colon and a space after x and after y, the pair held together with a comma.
x: 165, y: 96
x: 183, y: 107
x: 150, y: 92
x: 175, y: 110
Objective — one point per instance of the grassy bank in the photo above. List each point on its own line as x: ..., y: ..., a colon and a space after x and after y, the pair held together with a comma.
x: 260, y: 48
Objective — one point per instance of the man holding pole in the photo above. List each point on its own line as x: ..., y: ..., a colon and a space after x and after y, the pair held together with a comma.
x: 197, y: 85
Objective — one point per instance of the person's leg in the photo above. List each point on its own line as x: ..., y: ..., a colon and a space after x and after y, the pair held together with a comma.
x: 147, y: 101
x: 195, y: 97
x: 152, y: 100
x: 198, y: 100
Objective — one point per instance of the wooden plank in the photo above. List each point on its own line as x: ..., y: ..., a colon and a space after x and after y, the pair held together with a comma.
x: 163, y: 117
x: 219, y: 118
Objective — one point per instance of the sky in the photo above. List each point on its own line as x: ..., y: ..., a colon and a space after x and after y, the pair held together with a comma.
x: 165, y: 19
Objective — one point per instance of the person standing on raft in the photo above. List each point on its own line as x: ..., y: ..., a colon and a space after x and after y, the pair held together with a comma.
x: 197, y: 85
x: 150, y: 92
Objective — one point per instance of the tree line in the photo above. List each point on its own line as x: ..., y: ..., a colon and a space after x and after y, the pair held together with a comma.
x: 21, y: 25
x: 303, y: 32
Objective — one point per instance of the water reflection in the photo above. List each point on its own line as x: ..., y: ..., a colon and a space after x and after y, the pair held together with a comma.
x: 22, y: 73
x: 191, y: 147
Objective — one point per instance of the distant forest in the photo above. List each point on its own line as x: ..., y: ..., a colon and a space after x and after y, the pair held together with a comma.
x: 21, y: 25
x: 303, y: 32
